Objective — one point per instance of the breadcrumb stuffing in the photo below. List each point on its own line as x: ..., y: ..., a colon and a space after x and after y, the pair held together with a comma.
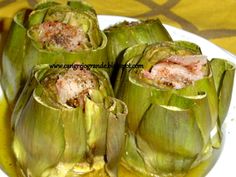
x: 177, y: 71
x: 74, y: 86
x: 61, y: 35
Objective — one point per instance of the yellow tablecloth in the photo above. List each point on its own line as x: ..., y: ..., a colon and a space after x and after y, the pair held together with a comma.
x: 211, y: 19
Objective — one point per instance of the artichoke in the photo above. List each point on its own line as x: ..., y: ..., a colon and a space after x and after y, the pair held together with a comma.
x: 66, y: 123
x: 126, y: 34
x: 175, y: 102
x: 51, y: 33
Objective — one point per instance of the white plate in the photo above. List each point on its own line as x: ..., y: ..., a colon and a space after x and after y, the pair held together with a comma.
x: 225, y: 164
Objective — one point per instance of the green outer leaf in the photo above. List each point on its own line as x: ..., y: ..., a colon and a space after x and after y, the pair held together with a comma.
x: 36, y: 17
x: 104, y: 82
x: 31, y: 84
x: 96, y: 119
x: 44, y: 5
x: 132, y: 52
x: 137, y: 99
x: 122, y: 36
x: 131, y: 154
x: 82, y: 6
x: 12, y: 55
x: 163, y: 163
x: 124, y: 86
x: 115, y: 134
x: 175, y: 131
x: 205, y: 85
x: 34, y: 134
x: 223, y: 74
x: 170, y: 138
x: 96, y: 116
x: 75, y: 135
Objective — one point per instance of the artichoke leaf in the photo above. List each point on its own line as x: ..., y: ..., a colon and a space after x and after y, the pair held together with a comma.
x: 96, y: 120
x: 82, y: 6
x: 26, y: 93
x: 115, y: 134
x: 75, y: 135
x: 132, y: 52
x: 223, y: 74
x: 44, y: 5
x: 131, y: 154
x: 172, y: 140
x: 13, y: 52
x: 34, y: 135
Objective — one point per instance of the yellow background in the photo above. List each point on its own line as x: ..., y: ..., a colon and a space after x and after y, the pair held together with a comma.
x: 211, y: 19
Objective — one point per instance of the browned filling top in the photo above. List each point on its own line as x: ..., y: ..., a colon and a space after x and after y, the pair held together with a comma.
x: 61, y: 35
x: 72, y: 87
x: 177, y: 71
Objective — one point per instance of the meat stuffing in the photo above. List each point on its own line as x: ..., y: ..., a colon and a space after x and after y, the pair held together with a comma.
x: 61, y: 35
x: 74, y: 86
x: 177, y: 71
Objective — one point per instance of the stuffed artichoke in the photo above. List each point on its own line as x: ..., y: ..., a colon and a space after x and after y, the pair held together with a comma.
x: 175, y: 102
x: 50, y: 33
x: 66, y: 123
